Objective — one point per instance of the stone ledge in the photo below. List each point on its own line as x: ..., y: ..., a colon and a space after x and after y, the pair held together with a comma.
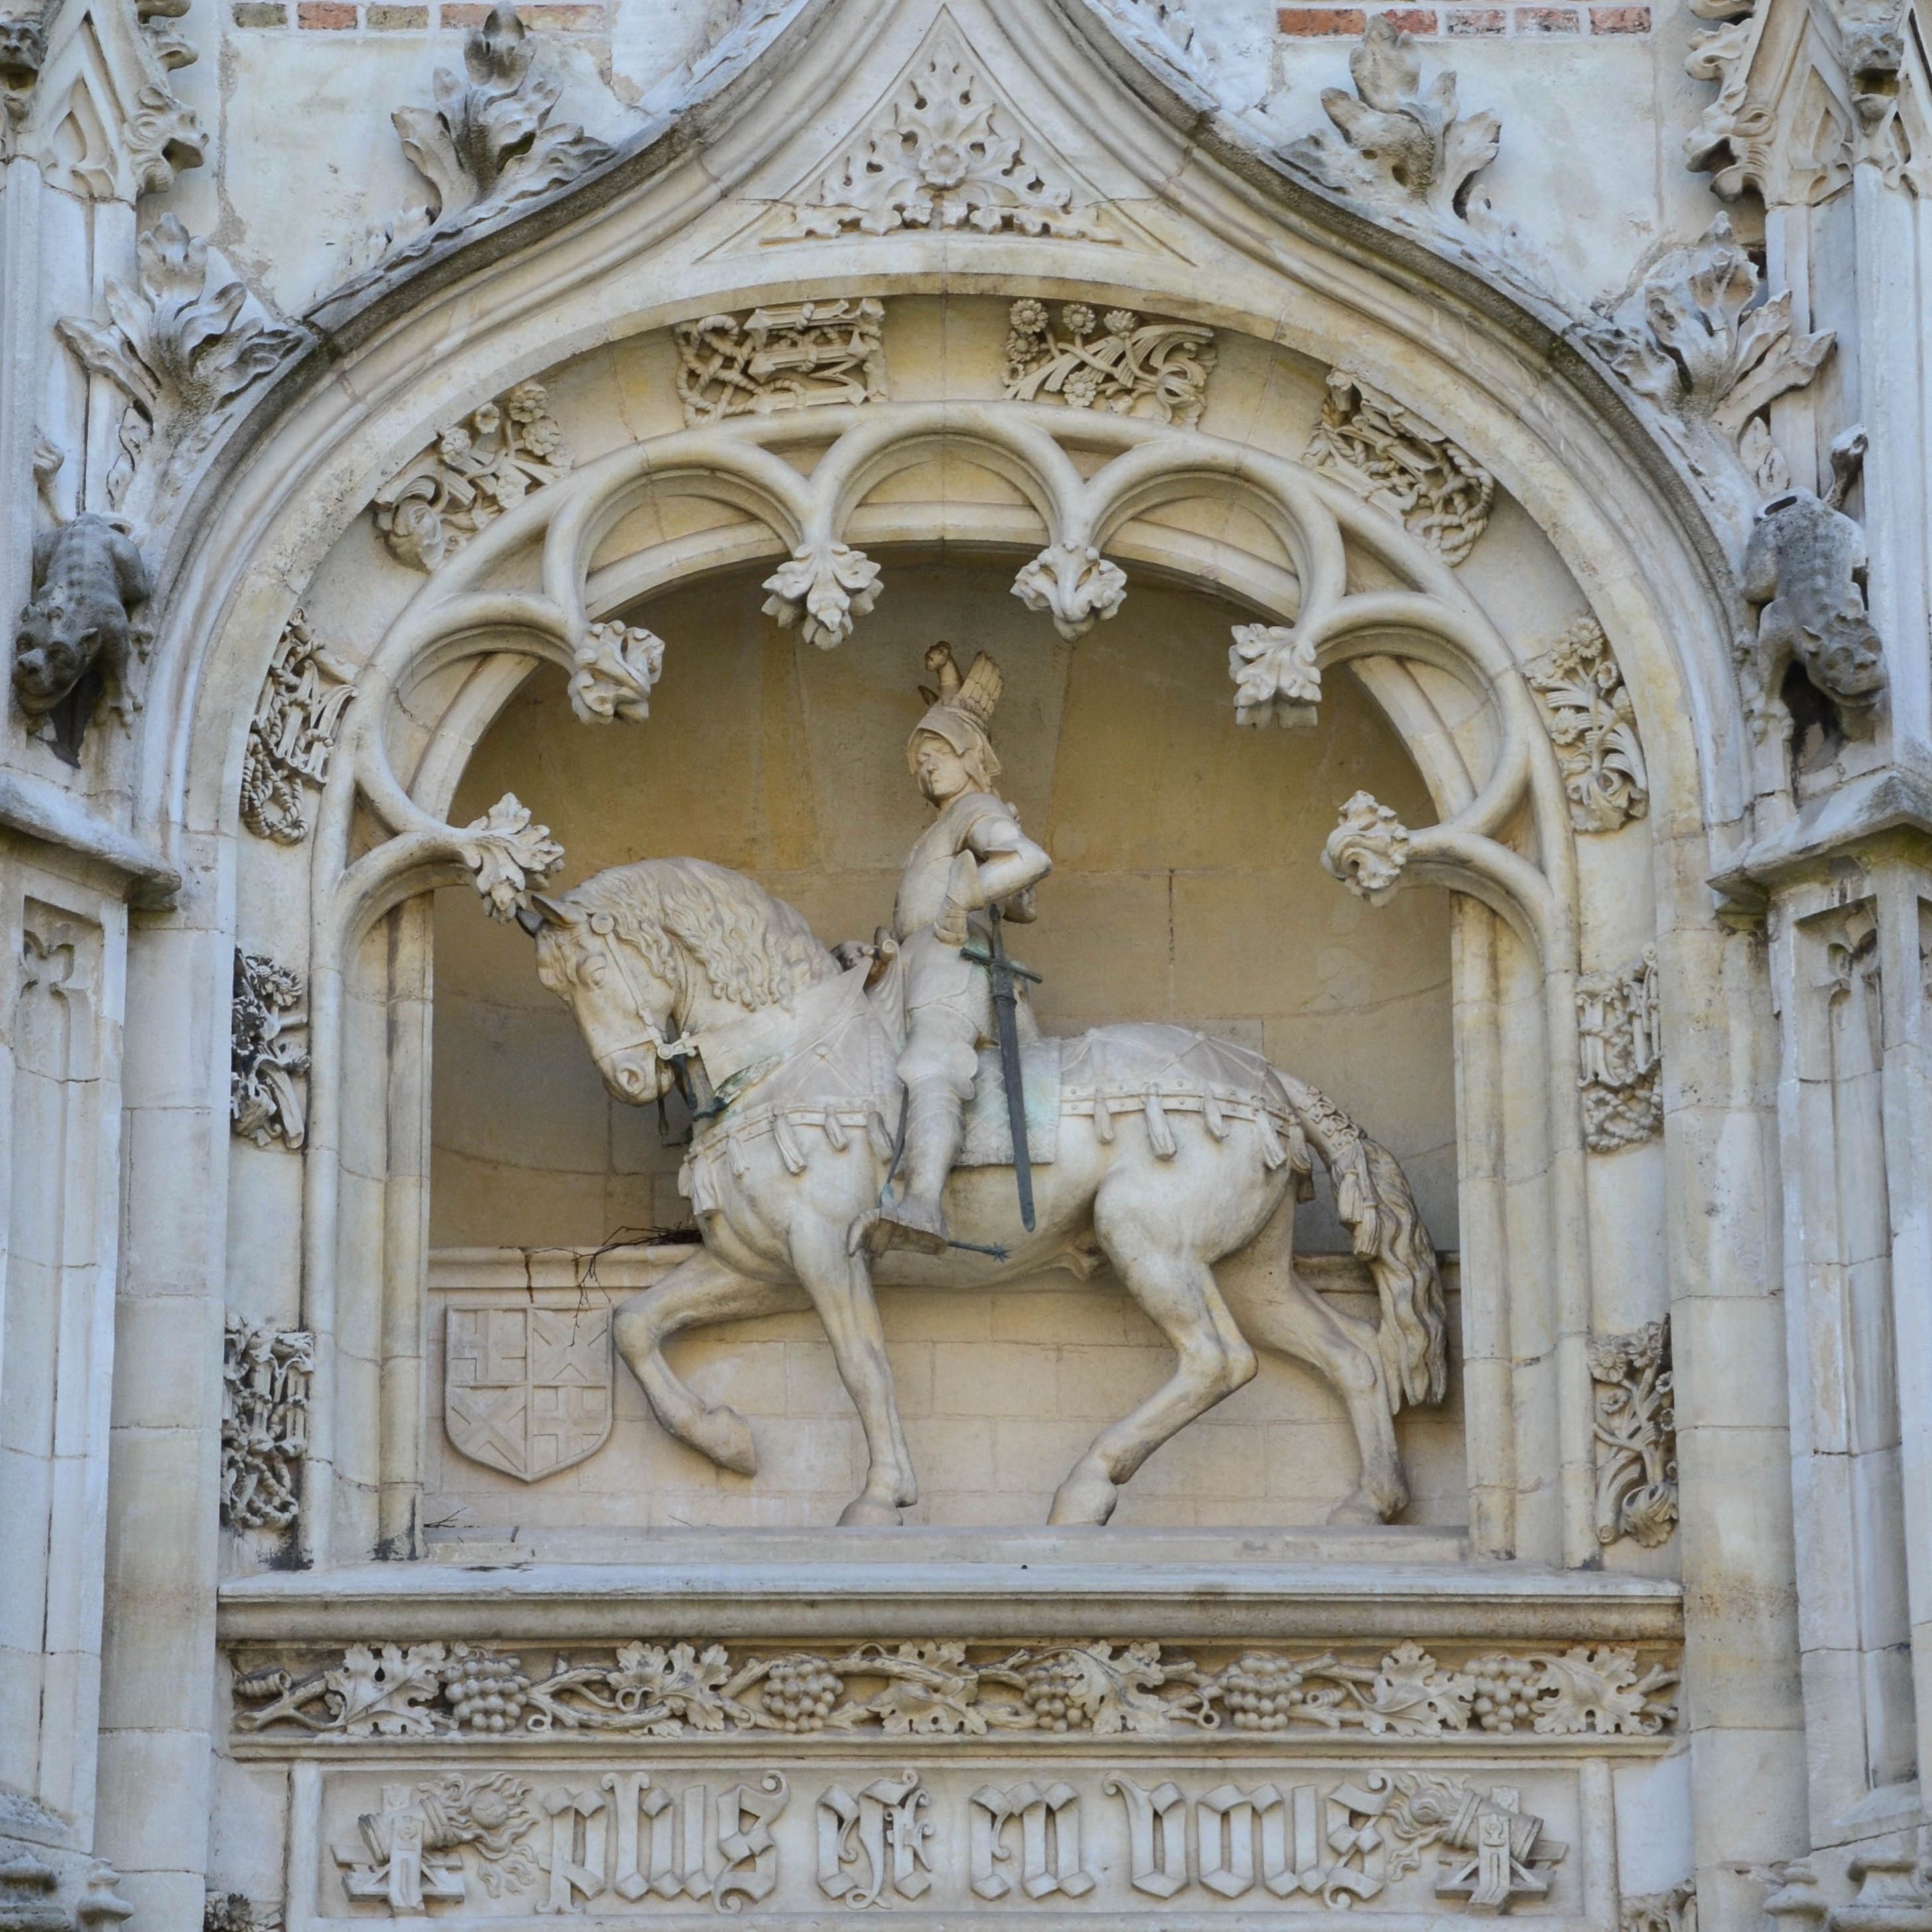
x: 1067, y: 1596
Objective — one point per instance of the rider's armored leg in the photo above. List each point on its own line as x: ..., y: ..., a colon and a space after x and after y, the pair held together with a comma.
x: 935, y: 1127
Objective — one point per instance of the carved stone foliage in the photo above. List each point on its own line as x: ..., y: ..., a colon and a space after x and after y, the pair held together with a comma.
x: 184, y: 345
x: 1117, y: 362
x: 1622, y: 1055
x: 477, y: 468
x: 83, y: 627
x: 508, y: 854
x: 615, y: 669
x: 944, y: 152
x: 1636, y: 1426
x: 265, y: 1388
x: 1163, y: 30
x: 609, y: 1842
x: 1394, y: 144
x: 1805, y: 566
x: 303, y: 697
x: 790, y: 357
x: 1593, y: 725
x: 941, y: 1690
x: 822, y: 588
x: 1367, y: 850
x: 1692, y: 338
x: 266, y: 1095
x: 490, y: 143
x: 1383, y: 450
x: 1277, y: 678
x: 1073, y: 582
x: 1673, y: 1911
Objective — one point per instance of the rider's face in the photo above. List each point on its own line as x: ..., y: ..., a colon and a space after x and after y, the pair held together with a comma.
x: 942, y: 773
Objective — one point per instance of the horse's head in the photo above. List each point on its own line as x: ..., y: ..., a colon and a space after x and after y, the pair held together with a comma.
x: 624, y: 1004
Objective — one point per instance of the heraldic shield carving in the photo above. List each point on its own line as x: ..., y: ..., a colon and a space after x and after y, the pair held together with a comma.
x: 527, y: 1391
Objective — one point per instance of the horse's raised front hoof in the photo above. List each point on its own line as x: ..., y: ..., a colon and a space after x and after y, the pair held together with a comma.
x: 1085, y: 1498
x: 1358, y: 1507
x: 865, y: 1512
x: 725, y: 1436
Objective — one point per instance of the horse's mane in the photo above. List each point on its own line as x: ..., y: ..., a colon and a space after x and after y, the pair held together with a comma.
x: 755, y: 949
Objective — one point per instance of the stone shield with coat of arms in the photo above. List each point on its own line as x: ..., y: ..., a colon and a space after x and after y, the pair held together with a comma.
x: 526, y: 1391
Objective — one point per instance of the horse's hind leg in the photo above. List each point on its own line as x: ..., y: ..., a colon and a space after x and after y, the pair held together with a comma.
x: 1300, y: 1322
x: 694, y: 1295
x: 1178, y: 1291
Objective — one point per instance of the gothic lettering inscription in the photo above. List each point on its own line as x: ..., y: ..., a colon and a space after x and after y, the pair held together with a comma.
x: 580, y: 1840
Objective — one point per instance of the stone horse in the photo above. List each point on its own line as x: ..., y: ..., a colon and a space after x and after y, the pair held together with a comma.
x: 1169, y: 1152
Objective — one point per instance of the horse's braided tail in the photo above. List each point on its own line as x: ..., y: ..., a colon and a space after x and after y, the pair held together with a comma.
x: 1373, y: 1199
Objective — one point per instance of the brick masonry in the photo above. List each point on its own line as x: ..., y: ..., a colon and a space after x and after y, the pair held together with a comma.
x: 1524, y: 22
x: 392, y: 17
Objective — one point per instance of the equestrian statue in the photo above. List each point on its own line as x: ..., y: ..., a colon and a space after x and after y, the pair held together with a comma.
x: 889, y: 1113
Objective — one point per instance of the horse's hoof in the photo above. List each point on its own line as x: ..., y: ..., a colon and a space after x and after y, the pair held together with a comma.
x: 1088, y: 1500
x: 869, y: 1513
x: 1356, y: 1507
x: 725, y: 1436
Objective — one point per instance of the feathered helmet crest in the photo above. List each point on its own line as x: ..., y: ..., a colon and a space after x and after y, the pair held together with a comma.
x: 960, y: 710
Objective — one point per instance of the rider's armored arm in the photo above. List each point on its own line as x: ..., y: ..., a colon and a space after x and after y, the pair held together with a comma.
x: 1010, y: 862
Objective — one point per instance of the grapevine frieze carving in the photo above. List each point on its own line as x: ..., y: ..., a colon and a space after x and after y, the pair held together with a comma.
x: 479, y: 468
x: 1593, y: 725
x: 270, y: 1060
x: 942, y: 1690
x: 1636, y: 1428
x: 1622, y: 1054
x: 265, y: 1390
x: 1117, y: 362
x: 946, y: 152
x: 293, y: 732
x: 1385, y: 452
x: 796, y: 355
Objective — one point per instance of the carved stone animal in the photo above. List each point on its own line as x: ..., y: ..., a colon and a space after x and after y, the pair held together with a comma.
x: 23, y: 48
x: 88, y: 610
x: 1805, y: 563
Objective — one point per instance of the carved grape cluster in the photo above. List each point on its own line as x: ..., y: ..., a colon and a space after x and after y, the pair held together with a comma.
x: 486, y: 1693
x: 1260, y: 1692
x: 801, y: 1692
x: 1505, y: 1689
x: 1054, y: 1689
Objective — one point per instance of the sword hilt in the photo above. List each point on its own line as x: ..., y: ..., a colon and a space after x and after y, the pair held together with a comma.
x: 980, y: 957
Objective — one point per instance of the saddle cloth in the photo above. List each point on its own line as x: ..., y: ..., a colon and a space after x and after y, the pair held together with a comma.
x: 989, y: 1134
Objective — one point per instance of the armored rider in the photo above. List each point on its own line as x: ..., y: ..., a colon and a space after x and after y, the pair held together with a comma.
x: 973, y: 857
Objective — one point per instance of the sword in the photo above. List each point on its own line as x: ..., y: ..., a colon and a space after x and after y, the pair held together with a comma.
x: 1005, y: 975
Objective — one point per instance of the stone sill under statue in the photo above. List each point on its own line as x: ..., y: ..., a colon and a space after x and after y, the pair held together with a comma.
x: 854, y: 1123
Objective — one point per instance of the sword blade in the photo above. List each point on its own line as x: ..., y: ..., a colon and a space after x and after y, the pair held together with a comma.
x: 1004, y: 1002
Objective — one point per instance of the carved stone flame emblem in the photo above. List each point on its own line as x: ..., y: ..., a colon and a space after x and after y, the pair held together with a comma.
x: 526, y: 1391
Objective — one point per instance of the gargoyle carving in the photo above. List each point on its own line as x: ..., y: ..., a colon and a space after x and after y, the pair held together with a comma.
x: 1805, y: 564
x: 23, y: 47
x: 87, y: 616
x: 1393, y: 143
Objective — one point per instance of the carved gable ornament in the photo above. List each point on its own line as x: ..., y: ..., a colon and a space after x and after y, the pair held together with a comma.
x: 945, y: 150
x: 526, y: 1391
